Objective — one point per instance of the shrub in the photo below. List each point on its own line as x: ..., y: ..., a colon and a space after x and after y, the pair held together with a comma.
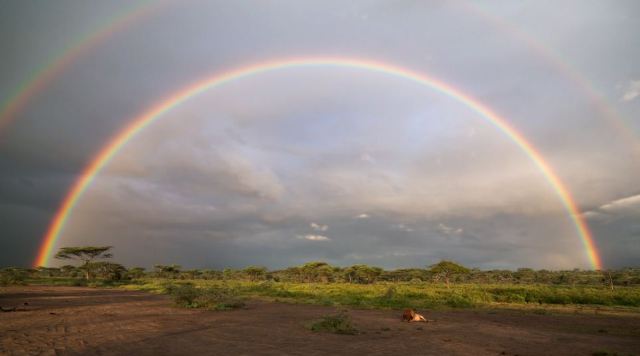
x: 216, y: 298
x: 219, y: 298
x: 337, y: 324
x: 183, y: 295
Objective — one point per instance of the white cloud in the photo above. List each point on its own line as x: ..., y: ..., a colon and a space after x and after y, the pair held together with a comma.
x: 319, y: 227
x: 403, y: 227
x: 622, y: 204
x: 312, y: 237
x: 367, y: 158
x: 448, y: 230
x: 632, y: 92
x: 363, y: 216
x: 615, y: 209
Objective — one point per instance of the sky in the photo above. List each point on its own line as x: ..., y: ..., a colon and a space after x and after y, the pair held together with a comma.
x: 343, y: 165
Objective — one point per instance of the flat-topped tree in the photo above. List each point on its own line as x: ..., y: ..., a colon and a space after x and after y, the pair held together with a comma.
x: 86, y: 254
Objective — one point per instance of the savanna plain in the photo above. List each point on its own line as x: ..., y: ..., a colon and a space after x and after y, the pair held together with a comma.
x: 317, y: 309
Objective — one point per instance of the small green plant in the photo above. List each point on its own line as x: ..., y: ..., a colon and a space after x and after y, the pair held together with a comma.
x: 337, y: 324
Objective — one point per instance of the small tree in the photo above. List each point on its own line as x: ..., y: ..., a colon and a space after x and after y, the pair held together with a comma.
x: 86, y: 254
x: 255, y: 272
x: 167, y: 271
x: 135, y: 272
x: 446, y: 269
x: 107, y: 270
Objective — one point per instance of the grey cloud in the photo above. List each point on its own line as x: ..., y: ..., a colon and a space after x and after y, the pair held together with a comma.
x: 393, y: 173
x: 319, y: 227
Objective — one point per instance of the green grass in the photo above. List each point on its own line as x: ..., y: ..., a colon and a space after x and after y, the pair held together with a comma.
x: 412, y: 295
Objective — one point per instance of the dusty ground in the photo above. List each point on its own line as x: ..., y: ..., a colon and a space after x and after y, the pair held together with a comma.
x: 72, y: 320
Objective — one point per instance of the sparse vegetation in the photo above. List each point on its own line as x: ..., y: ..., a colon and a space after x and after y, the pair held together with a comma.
x: 12, y: 276
x: 359, y: 285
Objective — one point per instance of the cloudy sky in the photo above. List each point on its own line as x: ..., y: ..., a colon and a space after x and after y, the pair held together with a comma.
x: 344, y: 165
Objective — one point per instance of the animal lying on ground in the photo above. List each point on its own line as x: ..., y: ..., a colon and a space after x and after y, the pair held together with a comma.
x: 410, y: 315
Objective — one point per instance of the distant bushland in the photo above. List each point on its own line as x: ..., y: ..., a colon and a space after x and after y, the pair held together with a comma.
x: 445, y: 284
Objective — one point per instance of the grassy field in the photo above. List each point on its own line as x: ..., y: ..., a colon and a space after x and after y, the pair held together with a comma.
x: 403, y: 295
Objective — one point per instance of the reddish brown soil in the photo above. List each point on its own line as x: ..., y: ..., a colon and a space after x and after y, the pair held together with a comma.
x: 70, y: 320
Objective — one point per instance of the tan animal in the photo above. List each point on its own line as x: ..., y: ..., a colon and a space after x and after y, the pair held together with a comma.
x: 410, y: 315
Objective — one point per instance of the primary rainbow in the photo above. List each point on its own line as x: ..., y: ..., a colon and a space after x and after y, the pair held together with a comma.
x: 164, y: 106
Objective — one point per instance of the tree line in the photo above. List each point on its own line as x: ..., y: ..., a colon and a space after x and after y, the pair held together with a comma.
x: 92, y: 266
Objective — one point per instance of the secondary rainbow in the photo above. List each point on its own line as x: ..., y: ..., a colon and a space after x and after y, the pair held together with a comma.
x: 51, y: 69
x: 621, y: 124
x: 154, y: 113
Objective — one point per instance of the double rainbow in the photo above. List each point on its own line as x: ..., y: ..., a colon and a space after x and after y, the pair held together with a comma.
x: 150, y: 116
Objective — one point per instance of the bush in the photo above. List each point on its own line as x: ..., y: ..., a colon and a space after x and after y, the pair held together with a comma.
x: 184, y: 295
x: 219, y: 298
x: 337, y: 324
x: 216, y: 298
x: 12, y: 276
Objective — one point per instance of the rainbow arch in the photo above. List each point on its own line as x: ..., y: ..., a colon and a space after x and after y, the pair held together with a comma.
x: 148, y: 117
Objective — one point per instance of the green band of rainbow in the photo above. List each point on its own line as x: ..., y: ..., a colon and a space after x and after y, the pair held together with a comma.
x: 153, y: 114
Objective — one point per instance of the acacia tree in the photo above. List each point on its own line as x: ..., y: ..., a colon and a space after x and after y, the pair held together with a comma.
x: 446, y: 269
x: 86, y: 254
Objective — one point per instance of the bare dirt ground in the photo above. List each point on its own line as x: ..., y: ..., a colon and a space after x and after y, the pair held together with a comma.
x: 73, y: 320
